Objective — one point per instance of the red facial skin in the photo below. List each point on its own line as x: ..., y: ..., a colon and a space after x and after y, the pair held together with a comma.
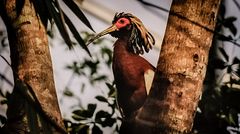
x: 122, y: 22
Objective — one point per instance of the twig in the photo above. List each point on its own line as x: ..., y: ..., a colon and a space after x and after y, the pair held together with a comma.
x: 195, y: 23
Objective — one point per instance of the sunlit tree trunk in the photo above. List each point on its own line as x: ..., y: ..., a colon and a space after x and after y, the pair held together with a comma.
x: 33, y: 75
x: 177, y: 87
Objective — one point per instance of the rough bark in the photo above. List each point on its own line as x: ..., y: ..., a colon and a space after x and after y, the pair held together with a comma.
x: 177, y: 86
x: 31, y: 64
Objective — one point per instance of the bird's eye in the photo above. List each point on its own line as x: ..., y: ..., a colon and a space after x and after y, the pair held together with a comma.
x: 121, y: 21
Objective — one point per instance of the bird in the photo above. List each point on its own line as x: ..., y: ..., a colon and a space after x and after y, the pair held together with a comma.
x: 132, y: 73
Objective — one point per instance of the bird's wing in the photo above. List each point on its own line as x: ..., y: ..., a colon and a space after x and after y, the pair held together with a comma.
x: 148, y: 78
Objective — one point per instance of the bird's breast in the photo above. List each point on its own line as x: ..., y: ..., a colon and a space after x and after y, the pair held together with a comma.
x: 128, y: 68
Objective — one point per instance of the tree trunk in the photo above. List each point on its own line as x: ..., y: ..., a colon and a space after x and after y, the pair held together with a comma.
x: 177, y: 86
x: 33, y: 75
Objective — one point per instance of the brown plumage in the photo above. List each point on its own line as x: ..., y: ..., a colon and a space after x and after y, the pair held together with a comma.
x: 130, y: 69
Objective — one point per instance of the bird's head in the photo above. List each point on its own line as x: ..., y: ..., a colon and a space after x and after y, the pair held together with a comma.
x: 128, y: 25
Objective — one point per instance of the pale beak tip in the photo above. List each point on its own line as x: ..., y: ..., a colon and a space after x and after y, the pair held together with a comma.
x: 89, y: 41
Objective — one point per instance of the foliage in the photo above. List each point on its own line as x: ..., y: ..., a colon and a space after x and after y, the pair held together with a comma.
x: 3, y: 101
x: 226, y: 23
x: 55, y: 12
x: 48, y: 11
x: 4, y: 95
x: 93, y: 119
x: 51, y: 11
x: 219, y: 108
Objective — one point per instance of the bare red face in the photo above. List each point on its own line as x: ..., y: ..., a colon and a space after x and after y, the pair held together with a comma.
x: 115, y: 29
x: 122, y: 22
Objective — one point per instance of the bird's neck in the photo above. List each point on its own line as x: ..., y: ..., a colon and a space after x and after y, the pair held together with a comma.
x: 121, y: 47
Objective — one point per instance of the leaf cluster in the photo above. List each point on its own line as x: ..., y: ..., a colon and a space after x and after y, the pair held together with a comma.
x: 50, y: 11
x: 219, y: 107
x: 226, y: 23
x: 4, y: 97
x: 93, y: 120
x: 90, y: 67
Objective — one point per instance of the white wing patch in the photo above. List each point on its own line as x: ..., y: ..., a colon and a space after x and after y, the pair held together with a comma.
x: 148, y: 77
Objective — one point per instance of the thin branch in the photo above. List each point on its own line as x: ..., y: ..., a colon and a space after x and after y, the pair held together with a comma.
x: 2, y: 76
x: 193, y: 22
x: 5, y: 60
x: 237, y: 4
x: 6, y: 79
x: 155, y: 6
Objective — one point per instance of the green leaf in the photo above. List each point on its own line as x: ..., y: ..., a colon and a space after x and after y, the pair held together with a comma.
x: 101, y: 77
x: 40, y: 8
x: 233, y: 29
x: 225, y: 55
x: 78, y: 112
x: 59, y: 22
x: 1, y: 93
x: 96, y: 130
x: 8, y: 95
x: 83, y: 114
x: 101, y: 114
x: 76, y: 68
x: 105, y: 119
x: 91, y: 108
x: 101, y: 98
x: 224, y: 38
x: 219, y: 64
x: 108, y: 52
x: 82, y: 129
x: 68, y: 93
x: 228, y: 23
x: 50, y: 34
x: 77, y: 117
x: 76, y: 34
x: 3, y: 119
x: 76, y: 10
x: 108, y: 122
x: 231, y: 119
x: 93, y: 65
x: 4, y: 101
x: 112, y: 90
x: 236, y: 60
x: 76, y: 128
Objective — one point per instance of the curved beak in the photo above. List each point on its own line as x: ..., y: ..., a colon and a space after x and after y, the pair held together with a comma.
x: 106, y: 31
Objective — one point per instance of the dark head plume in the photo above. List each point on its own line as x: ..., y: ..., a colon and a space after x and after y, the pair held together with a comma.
x: 140, y: 39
